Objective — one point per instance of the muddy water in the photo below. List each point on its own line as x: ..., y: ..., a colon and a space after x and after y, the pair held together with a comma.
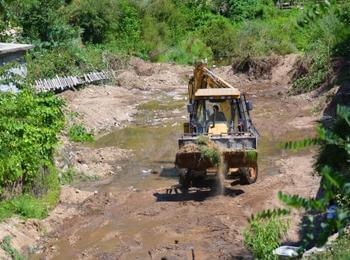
x: 153, y: 160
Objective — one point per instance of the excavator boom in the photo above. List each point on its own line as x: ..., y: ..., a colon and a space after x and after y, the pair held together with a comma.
x: 204, y: 78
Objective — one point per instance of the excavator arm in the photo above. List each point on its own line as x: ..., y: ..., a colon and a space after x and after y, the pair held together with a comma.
x: 204, y: 78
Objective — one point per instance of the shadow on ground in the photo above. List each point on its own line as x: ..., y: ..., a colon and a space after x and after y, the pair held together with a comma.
x: 200, y: 191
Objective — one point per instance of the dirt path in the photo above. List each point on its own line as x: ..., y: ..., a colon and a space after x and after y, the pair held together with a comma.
x: 131, y: 216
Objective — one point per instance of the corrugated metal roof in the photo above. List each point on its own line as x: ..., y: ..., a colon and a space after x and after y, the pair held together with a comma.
x: 14, y: 47
x: 217, y: 92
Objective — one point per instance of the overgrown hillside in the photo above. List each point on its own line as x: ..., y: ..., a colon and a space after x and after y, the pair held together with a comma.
x: 220, y: 31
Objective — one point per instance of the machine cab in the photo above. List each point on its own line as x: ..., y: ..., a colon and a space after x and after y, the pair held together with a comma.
x: 215, y: 111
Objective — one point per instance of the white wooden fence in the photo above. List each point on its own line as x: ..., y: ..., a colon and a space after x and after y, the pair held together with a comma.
x: 69, y: 82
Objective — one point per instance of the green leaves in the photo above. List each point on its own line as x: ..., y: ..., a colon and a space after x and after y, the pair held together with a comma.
x: 301, y: 144
x: 265, y: 233
x: 298, y: 202
x: 29, y: 128
x: 78, y: 133
x: 333, y: 165
x: 270, y: 213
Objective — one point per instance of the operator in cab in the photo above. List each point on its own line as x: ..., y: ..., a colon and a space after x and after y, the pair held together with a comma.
x: 217, y: 115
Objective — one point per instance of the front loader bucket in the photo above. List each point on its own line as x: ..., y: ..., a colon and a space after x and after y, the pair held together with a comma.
x: 232, y: 158
x: 241, y: 158
x: 192, y: 161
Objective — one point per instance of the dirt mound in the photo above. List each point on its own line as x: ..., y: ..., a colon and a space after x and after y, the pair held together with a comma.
x: 189, y: 148
x: 99, y: 162
x: 300, y: 68
x: 281, y: 73
x: 256, y: 68
x: 154, y: 76
x: 102, y: 107
x: 141, y: 67
x: 273, y: 69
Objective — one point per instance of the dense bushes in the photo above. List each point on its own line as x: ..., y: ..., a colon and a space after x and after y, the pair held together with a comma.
x: 29, y: 128
x: 239, y: 10
x: 42, y: 22
x: 96, y: 19
x: 75, y: 33
x: 327, y: 38
x: 333, y: 166
x: 64, y: 61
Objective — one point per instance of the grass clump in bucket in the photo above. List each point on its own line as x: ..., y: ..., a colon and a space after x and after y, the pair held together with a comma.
x: 208, y: 150
x: 251, y: 155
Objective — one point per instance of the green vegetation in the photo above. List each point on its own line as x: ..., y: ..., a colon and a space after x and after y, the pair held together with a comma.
x: 251, y: 155
x: 26, y: 206
x: 78, y: 133
x: 210, y: 153
x: 29, y: 125
x: 328, y: 36
x: 208, y: 150
x: 203, y: 140
x: 74, y: 36
x: 12, y: 252
x: 67, y: 176
x: 333, y: 166
x: 71, y: 176
x: 263, y: 235
x: 31, y: 204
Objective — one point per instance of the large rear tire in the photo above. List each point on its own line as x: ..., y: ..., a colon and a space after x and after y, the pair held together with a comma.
x: 248, y: 175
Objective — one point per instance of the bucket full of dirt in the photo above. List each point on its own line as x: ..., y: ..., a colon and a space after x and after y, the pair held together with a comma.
x: 240, y: 158
x: 199, y: 157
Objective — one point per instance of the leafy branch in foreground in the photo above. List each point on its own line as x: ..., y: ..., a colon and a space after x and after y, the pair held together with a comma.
x: 301, y: 144
x: 331, y: 211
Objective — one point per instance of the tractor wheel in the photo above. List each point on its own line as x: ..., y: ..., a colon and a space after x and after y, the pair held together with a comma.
x: 248, y: 175
x: 185, y: 180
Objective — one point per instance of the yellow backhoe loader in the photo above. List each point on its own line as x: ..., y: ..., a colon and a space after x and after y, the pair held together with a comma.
x: 218, y: 112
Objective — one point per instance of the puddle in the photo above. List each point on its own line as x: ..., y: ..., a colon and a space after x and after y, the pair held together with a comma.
x: 270, y: 149
x: 153, y: 161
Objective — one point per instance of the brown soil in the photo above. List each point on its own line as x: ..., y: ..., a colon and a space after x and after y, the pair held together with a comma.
x: 143, y: 221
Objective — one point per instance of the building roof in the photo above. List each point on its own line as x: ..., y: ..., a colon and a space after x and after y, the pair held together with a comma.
x: 14, y: 47
x: 214, y: 93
